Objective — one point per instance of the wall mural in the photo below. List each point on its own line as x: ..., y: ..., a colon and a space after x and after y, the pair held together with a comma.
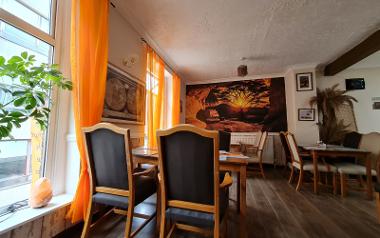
x: 239, y: 106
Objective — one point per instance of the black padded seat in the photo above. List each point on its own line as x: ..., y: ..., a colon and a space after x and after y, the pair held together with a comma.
x: 199, y: 219
x: 377, y: 187
x: 145, y: 187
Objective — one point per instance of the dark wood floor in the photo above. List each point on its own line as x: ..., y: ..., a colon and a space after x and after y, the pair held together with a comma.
x: 275, y: 209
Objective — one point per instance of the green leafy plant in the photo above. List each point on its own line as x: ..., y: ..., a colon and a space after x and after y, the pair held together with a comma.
x: 331, y: 130
x: 26, y: 89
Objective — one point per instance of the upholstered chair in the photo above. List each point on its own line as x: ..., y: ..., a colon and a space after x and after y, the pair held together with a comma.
x: 351, y: 140
x: 193, y: 197
x: 369, y: 142
x: 224, y: 140
x: 377, y: 190
x: 285, y: 146
x: 301, y: 165
x: 113, y: 182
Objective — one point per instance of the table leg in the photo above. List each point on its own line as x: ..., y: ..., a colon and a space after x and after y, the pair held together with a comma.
x: 242, y: 185
x: 369, y: 178
x: 316, y: 177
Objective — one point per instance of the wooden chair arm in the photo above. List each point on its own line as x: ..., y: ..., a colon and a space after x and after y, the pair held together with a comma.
x: 148, y: 172
x: 227, y: 181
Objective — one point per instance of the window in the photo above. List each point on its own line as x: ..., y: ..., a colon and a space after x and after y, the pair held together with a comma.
x: 35, y: 12
x: 22, y: 156
x: 152, y: 86
x: 167, y: 107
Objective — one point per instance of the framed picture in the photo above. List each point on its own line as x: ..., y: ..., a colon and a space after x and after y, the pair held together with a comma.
x: 124, y: 101
x: 306, y: 114
x: 304, y: 81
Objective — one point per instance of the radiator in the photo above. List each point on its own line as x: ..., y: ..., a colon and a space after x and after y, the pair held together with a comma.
x: 242, y: 137
x: 273, y: 152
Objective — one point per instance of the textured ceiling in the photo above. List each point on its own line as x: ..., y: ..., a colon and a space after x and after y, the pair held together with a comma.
x: 205, y: 39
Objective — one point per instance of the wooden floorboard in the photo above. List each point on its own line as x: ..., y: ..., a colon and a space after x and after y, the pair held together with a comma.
x: 275, y: 209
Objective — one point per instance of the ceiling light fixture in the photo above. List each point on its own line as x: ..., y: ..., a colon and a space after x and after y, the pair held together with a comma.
x: 242, y: 70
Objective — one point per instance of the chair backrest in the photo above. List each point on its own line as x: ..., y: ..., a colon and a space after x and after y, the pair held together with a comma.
x: 285, y: 146
x: 224, y: 140
x: 263, y: 139
x: 352, y: 139
x: 261, y: 145
x: 258, y: 138
x: 371, y: 143
x: 109, y: 156
x: 189, y: 164
x: 292, y: 144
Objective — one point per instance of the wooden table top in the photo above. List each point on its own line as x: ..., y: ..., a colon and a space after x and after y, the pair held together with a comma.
x: 224, y: 158
x: 333, y: 148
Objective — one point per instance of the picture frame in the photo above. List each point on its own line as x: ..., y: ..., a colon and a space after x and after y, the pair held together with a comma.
x: 124, y: 101
x: 306, y: 114
x: 304, y: 81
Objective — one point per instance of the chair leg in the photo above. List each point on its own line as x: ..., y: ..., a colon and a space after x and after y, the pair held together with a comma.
x: 87, y: 222
x: 291, y: 175
x: 162, y: 223
x: 378, y: 205
x: 335, y: 183
x: 262, y: 170
x: 361, y: 182
x: 128, y: 225
x: 158, y: 210
x: 343, y: 185
x: 216, y: 228
x: 300, y: 181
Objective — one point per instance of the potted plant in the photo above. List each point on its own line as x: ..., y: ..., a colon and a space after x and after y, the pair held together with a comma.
x: 331, y: 131
x: 26, y: 89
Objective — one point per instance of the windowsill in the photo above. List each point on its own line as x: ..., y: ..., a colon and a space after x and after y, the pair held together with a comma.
x: 29, y: 214
x: 14, y: 194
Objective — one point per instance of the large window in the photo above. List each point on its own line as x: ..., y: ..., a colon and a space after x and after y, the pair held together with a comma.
x: 166, y: 114
x: 22, y: 23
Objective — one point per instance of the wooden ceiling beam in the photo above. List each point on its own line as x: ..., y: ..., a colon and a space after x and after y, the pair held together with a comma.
x: 356, y: 54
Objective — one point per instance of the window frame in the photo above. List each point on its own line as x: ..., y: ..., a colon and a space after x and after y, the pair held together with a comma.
x: 52, y: 163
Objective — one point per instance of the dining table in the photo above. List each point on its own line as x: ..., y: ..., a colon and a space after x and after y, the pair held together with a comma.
x: 234, y: 162
x: 337, y: 152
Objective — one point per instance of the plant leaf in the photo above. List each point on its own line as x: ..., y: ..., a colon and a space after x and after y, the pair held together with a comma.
x: 24, y: 54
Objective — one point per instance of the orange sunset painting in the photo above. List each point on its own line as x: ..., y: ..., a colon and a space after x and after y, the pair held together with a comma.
x: 238, y: 106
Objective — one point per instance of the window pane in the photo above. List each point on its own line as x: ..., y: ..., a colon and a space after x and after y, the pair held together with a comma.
x: 35, y: 12
x: 21, y: 157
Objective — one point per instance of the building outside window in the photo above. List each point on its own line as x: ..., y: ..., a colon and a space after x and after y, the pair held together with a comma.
x: 25, y: 25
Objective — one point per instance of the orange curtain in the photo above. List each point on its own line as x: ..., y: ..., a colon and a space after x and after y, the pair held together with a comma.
x: 155, y: 93
x: 89, y: 56
x: 176, y: 94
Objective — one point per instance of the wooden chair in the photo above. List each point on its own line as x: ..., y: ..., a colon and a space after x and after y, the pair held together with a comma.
x: 256, y: 154
x: 284, y: 144
x: 113, y: 182
x: 192, y: 196
x: 224, y: 140
x: 377, y: 190
x: 369, y: 142
x: 299, y: 164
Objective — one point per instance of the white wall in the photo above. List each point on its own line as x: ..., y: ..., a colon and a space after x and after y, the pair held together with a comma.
x: 367, y: 119
x: 306, y: 132
x: 124, y: 41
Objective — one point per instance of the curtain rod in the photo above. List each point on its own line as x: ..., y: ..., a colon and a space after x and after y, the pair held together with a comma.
x: 168, y: 66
